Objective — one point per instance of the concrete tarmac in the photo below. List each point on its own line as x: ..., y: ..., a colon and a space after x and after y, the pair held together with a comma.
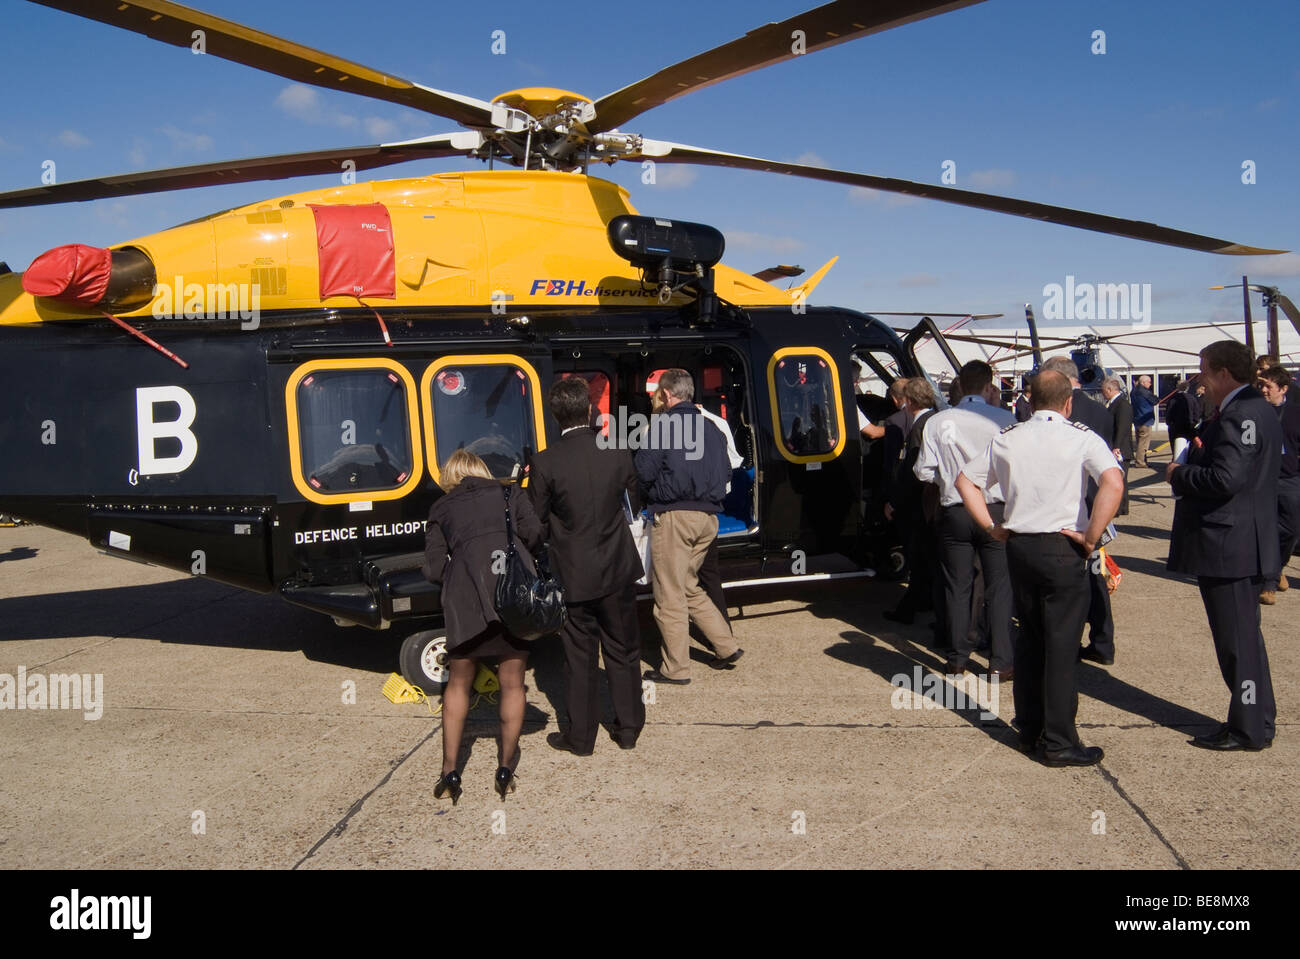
x: 228, y: 739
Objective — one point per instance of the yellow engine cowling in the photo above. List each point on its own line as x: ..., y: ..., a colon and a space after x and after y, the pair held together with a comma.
x: 530, y: 238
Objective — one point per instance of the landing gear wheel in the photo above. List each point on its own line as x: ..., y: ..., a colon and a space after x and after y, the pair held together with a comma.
x: 424, y: 661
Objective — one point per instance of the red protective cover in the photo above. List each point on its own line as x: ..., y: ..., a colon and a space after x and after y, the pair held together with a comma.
x: 355, y: 245
x: 71, y: 274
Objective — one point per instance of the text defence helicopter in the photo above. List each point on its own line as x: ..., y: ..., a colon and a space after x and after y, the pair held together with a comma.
x: 308, y: 362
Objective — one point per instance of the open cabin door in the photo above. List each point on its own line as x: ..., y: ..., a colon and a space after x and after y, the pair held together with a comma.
x: 926, y: 332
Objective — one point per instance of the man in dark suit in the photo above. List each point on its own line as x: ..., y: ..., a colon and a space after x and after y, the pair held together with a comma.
x: 1275, y: 384
x: 578, y: 490
x: 1225, y: 532
x: 1182, y: 414
x: 1112, y: 390
x: 1101, y: 626
x: 1022, y: 408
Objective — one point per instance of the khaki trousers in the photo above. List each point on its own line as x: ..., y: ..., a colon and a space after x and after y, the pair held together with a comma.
x: 678, y: 546
x: 1143, y: 443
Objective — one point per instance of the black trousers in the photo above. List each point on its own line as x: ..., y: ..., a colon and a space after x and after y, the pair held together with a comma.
x: 1232, y: 607
x: 711, y: 580
x: 1049, y: 579
x: 606, y: 625
x: 960, y: 539
x: 1101, y: 624
x: 1288, y: 520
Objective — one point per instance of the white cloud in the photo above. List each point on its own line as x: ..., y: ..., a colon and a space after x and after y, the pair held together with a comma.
x: 304, y: 103
x: 378, y: 128
x: 73, y: 139
x: 809, y: 159
x: 862, y: 194
x: 186, y: 141
x: 993, y: 179
x: 762, y: 242
x: 138, y: 154
x: 918, y: 280
x: 114, y: 214
x: 1281, y: 264
x: 671, y: 176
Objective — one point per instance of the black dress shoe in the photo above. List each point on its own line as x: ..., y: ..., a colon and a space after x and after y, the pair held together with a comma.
x: 657, y: 677
x: 1090, y: 653
x: 623, y: 743
x: 719, y: 662
x: 955, y: 668
x: 1224, y: 741
x: 1030, y: 747
x: 904, y: 616
x: 1074, y: 756
x: 561, y: 742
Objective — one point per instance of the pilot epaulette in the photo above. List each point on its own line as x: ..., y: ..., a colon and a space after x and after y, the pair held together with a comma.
x: 1080, y: 426
x: 1008, y: 429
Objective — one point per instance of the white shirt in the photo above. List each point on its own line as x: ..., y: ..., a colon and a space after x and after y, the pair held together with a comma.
x: 732, y: 455
x: 1043, y: 466
x: 955, y: 437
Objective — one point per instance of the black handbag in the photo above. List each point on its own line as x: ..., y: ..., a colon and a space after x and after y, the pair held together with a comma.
x: 530, y: 603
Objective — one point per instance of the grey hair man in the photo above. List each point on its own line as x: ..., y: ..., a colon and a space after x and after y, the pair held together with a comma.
x: 1144, y: 417
x: 684, y: 493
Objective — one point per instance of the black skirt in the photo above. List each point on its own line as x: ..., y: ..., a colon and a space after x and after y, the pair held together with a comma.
x: 493, y: 643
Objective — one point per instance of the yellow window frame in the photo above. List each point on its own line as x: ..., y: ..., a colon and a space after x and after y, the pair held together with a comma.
x: 477, y: 359
x: 295, y: 434
x: 818, y: 352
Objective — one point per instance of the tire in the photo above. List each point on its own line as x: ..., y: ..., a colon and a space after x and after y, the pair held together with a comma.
x: 423, y: 661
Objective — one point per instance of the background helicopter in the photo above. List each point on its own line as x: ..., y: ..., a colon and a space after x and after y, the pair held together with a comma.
x: 314, y: 475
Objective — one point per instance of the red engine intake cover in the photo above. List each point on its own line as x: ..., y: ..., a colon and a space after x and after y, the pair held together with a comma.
x: 71, y: 274
x: 355, y: 244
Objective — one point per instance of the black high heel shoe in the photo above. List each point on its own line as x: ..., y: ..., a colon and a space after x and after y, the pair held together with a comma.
x: 505, y: 781
x: 450, y: 782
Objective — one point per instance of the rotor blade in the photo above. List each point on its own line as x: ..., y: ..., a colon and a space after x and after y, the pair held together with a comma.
x: 1010, y: 356
x: 817, y: 29
x: 1166, y: 329
x: 1289, y: 309
x: 245, y: 171
x: 665, y: 152
x: 965, y: 338
x: 177, y: 25
x: 955, y: 316
x: 1148, y: 346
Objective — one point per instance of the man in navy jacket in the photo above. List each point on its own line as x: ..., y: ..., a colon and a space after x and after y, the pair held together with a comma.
x: 684, y: 471
x: 1225, y: 533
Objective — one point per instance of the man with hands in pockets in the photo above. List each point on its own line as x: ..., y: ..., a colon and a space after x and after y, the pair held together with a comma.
x: 1043, y: 466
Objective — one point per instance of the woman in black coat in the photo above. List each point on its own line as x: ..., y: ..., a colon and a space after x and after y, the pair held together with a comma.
x: 466, y: 528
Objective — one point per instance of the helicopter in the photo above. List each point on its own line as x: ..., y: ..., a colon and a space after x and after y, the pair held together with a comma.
x: 265, y: 396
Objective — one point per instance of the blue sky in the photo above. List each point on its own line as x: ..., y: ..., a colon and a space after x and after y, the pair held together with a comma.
x: 1155, y: 129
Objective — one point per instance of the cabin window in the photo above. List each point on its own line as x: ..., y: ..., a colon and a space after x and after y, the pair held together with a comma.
x: 488, y: 405
x: 805, y: 391
x: 353, y: 430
